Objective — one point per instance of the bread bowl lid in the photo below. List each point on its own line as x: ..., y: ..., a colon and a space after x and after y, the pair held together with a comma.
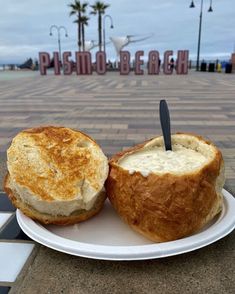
x: 56, y: 164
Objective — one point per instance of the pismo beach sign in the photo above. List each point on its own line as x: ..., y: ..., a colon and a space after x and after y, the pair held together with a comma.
x: 83, y: 63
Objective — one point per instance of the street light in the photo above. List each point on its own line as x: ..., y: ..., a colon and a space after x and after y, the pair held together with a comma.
x: 58, y: 29
x: 200, y: 28
x: 210, y: 8
x: 192, y: 5
x: 111, y: 26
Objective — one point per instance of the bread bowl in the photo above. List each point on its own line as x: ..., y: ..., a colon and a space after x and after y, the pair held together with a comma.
x: 167, y: 195
x: 56, y: 175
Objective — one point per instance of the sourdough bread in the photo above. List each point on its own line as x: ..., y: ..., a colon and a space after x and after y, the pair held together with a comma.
x: 55, y: 171
x: 167, y: 195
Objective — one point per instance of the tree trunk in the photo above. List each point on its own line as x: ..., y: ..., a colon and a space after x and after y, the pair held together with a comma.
x: 83, y: 37
x: 79, y: 32
x: 100, y: 31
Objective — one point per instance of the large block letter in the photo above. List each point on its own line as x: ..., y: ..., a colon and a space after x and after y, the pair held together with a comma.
x: 139, y: 62
x: 153, y: 63
x: 100, y: 62
x: 166, y: 67
x: 44, y: 62
x: 67, y: 65
x: 83, y: 63
x: 233, y: 62
x: 182, y: 62
x: 125, y: 62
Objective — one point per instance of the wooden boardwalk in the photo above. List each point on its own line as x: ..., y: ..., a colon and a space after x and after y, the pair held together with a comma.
x: 120, y: 111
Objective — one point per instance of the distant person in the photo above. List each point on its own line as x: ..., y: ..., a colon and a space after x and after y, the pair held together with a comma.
x: 216, y: 64
x: 159, y: 62
x: 36, y: 64
x: 172, y: 63
x: 190, y: 64
x: 219, y: 67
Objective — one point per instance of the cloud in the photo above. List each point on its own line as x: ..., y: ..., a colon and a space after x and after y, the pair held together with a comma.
x: 24, y: 26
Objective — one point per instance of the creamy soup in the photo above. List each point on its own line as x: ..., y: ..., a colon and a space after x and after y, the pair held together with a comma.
x: 157, y: 160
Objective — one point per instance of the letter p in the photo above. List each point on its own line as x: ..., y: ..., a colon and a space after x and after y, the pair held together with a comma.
x: 44, y: 62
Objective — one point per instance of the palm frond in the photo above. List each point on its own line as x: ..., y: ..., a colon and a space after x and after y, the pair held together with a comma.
x: 93, y: 7
x: 72, y: 13
x: 71, y: 5
x: 105, y: 6
x: 99, y: 7
x: 77, y: 6
x: 85, y: 4
x: 84, y: 19
x: 77, y: 3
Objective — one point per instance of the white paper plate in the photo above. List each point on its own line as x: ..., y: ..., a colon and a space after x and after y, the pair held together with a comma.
x: 105, y: 236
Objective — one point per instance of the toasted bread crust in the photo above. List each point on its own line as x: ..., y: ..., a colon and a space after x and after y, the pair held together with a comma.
x: 75, y: 217
x: 55, y: 175
x: 52, y: 162
x: 166, y: 207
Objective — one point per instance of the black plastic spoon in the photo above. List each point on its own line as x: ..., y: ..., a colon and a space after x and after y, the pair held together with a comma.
x: 165, y: 124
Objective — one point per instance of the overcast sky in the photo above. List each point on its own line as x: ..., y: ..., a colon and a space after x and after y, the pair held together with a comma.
x: 24, y: 26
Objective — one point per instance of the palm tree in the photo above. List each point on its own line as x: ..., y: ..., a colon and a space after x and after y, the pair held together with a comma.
x: 77, y: 8
x: 99, y: 8
x: 84, y: 22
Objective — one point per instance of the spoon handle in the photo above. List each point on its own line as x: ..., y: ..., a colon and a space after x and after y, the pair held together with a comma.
x: 165, y: 124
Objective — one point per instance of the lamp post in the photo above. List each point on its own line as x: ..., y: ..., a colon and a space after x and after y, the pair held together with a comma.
x: 192, y: 5
x: 58, y: 29
x: 111, y: 26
